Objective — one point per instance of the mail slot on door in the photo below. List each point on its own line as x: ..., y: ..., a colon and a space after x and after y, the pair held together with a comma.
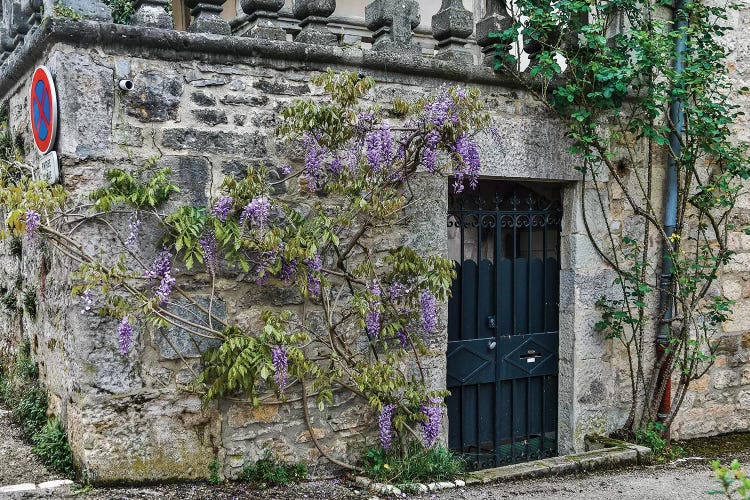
x: 531, y: 356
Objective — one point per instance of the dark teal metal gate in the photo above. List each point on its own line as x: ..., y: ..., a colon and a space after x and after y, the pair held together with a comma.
x: 503, y: 323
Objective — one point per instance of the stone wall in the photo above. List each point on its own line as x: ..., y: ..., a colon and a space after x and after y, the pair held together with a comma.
x: 206, y: 107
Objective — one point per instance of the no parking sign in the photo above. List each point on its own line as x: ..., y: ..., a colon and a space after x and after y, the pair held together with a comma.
x: 43, y: 110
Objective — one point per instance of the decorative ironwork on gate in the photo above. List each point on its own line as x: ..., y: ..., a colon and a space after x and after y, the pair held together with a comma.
x: 503, y: 323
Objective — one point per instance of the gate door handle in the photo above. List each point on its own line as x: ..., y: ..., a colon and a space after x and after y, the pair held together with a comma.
x: 531, y: 356
x: 492, y: 344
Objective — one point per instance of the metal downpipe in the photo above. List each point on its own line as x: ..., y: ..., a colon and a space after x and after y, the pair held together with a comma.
x: 666, y: 302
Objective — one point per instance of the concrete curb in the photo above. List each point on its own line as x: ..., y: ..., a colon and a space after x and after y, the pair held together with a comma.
x: 31, y: 487
x: 621, y: 455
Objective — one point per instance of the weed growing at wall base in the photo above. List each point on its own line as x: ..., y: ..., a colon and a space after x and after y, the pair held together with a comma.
x: 270, y: 471
x: 416, y: 465
x: 20, y: 391
x: 51, y: 445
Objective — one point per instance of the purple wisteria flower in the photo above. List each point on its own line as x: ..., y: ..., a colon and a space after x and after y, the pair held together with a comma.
x: 280, y: 365
x: 468, y: 164
x: 288, y: 268
x: 134, y: 228
x: 161, y: 269
x: 433, y: 412
x: 208, y: 244
x: 285, y: 170
x: 161, y: 266
x: 442, y: 110
x: 351, y: 158
x: 222, y: 207
x: 257, y: 212
x: 87, y: 300
x: 365, y: 122
x: 372, y: 319
x: 379, y: 147
x: 314, y: 156
x: 429, y: 311
x: 429, y: 154
x: 268, y: 260
x: 125, y: 334
x: 314, y: 266
x: 164, y: 290
x: 32, y: 220
x: 403, y: 337
x: 397, y: 290
x: 384, y: 425
x: 337, y: 166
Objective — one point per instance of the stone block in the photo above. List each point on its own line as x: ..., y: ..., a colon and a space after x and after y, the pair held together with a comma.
x: 191, y: 174
x: 211, y: 117
x: 213, y: 141
x: 245, y: 100
x: 85, y: 124
x: 198, y: 79
x: 281, y: 87
x: 155, y: 98
x: 202, y: 98
x: 174, y: 342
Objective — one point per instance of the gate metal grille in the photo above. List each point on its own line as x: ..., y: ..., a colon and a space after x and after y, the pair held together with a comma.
x: 503, y: 324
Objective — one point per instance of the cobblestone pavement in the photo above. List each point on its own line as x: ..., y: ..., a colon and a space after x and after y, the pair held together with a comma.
x: 685, y: 480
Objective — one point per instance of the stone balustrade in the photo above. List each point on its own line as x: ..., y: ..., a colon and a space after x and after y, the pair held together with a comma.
x: 390, y: 26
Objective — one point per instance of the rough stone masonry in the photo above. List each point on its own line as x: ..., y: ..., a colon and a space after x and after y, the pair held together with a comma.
x: 206, y: 106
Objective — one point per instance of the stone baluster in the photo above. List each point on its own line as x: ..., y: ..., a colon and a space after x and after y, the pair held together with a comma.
x: 451, y: 27
x: 263, y: 19
x: 14, y: 22
x: 4, y: 39
x: 393, y: 23
x: 95, y: 10
x: 32, y: 9
x: 313, y: 16
x: 207, y: 17
x: 497, y: 20
x: 152, y: 13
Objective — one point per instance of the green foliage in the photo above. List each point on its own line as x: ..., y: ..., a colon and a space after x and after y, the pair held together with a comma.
x: 31, y: 410
x: 124, y: 188
x: 734, y: 481
x: 20, y: 391
x: 243, y: 361
x: 614, y: 94
x: 214, y: 469
x: 26, y: 369
x: 6, y: 389
x: 122, y: 10
x: 29, y: 303
x: 417, y: 465
x: 651, y: 437
x: 9, y: 301
x: 65, y: 11
x: 269, y: 471
x: 51, y: 445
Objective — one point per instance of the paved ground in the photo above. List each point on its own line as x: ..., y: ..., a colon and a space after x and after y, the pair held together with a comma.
x: 17, y: 463
x: 685, y: 480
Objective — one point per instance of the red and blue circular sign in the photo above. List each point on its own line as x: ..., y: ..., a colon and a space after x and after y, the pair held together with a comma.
x: 43, y: 109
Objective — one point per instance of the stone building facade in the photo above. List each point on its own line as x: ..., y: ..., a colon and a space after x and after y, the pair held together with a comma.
x: 205, y: 104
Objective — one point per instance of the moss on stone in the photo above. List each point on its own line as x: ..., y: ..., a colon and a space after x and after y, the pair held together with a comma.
x: 716, y: 446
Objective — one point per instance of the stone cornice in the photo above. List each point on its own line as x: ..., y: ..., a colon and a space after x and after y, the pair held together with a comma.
x: 183, y: 46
